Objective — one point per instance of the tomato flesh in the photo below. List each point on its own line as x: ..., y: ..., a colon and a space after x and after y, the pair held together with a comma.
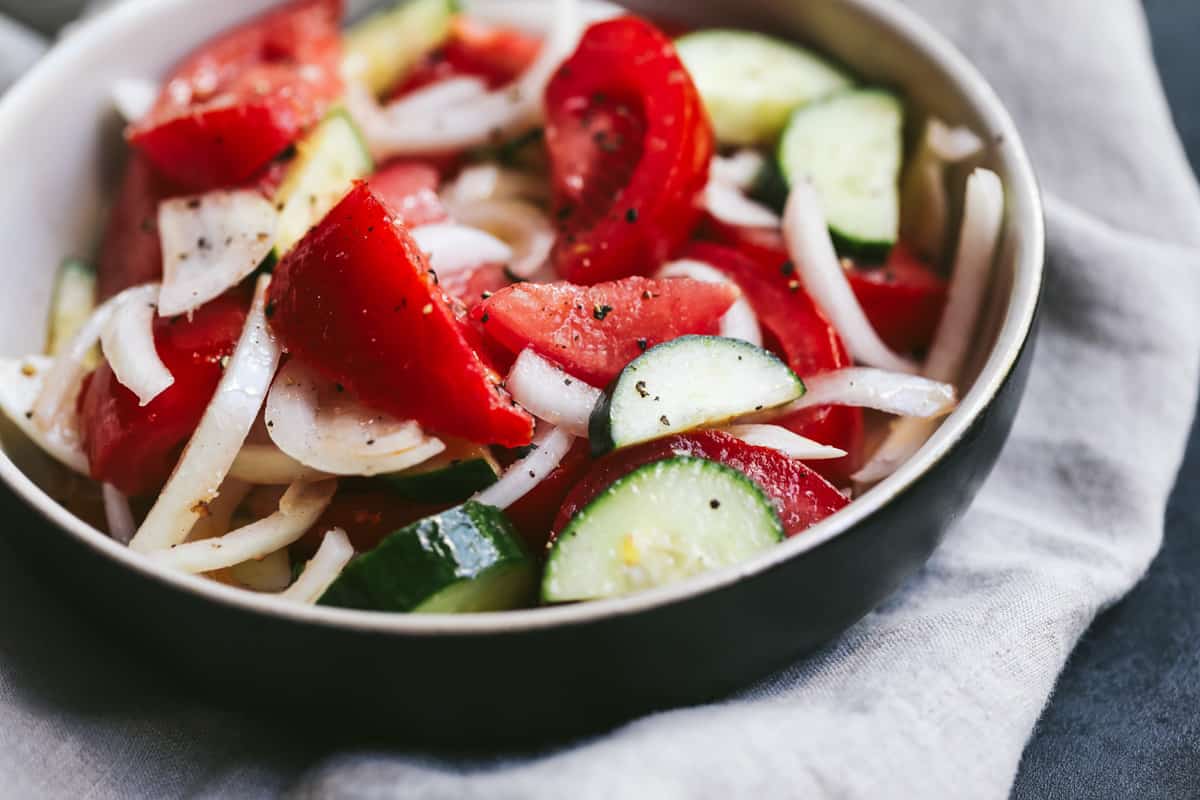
x: 903, y: 299
x: 593, y: 332
x: 356, y: 300
x: 410, y: 188
x: 367, y: 515
x: 497, y: 55
x: 533, y: 515
x: 629, y: 145
x: 240, y: 100
x: 802, y: 497
x: 131, y: 253
x: 134, y: 447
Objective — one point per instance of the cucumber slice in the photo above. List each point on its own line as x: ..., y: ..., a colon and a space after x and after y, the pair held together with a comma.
x: 327, y: 162
x: 460, y: 471
x: 660, y: 524
x: 751, y: 83
x: 464, y: 560
x: 688, y: 383
x: 851, y: 147
x: 382, y: 48
x: 74, y: 301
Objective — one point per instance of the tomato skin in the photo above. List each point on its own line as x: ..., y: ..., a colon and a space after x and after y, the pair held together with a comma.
x: 134, y: 447
x: 410, y: 188
x: 497, y: 55
x: 593, y: 332
x: 131, y: 252
x: 367, y: 515
x: 802, y: 497
x: 534, y: 514
x: 903, y: 299
x: 630, y: 146
x: 794, y: 325
x: 356, y: 300
x: 240, y: 100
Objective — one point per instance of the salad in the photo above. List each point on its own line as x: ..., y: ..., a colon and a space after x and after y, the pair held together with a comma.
x: 472, y: 307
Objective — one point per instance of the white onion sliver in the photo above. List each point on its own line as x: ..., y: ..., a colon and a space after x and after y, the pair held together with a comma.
x: 21, y: 382
x: 924, y: 186
x: 452, y: 91
x: 61, y: 382
x: 218, y: 516
x: 524, y: 227
x: 298, y: 511
x: 951, y: 145
x: 739, y: 322
x: 117, y: 514
x: 481, y: 182
x: 454, y: 248
x: 550, y: 394
x: 865, y: 387
x: 267, y: 465
x: 779, y: 438
x: 811, y: 250
x: 134, y: 97
x: 219, y: 436
x: 270, y: 574
x: 730, y: 206
x: 549, y: 449
x: 905, y: 438
x: 210, y: 243
x: 331, y: 431
x: 740, y: 170
x: 322, y: 570
x: 530, y: 15
x: 128, y: 344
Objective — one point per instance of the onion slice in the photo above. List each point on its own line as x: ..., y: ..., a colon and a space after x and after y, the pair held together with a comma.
x: 530, y: 15
x: 322, y: 570
x: 924, y: 186
x: 218, y: 516
x: 811, y: 250
x: 454, y: 248
x: 210, y: 243
x: 550, y: 394
x: 218, y: 438
x: 437, y: 96
x: 298, y: 511
x: 779, y: 438
x: 983, y: 217
x: 729, y: 205
x: 270, y: 574
x: 117, y: 514
x: 128, y: 344
x: 134, y: 97
x: 21, y: 384
x: 501, y: 114
x: 549, y: 449
x: 524, y: 227
x: 481, y: 182
x: 740, y: 170
x: 864, y: 387
x: 267, y: 465
x: 328, y: 430
x: 739, y: 322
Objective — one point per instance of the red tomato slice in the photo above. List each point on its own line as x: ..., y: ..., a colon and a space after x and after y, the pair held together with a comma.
x: 534, y: 513
x: 410, y: 188
x: 903, y: 299
x: 134, y: 447
x: 240, y: 100
x: 630, y: 146
x: 592, y: 332
x: 795, y: 328
x: 368, y: 516
x: 356, y: 300
x: 131, y: 252
x: 802, y: 497
x: 497, y: 55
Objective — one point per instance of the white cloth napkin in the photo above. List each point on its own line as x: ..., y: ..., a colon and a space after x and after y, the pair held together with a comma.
x: 934, y: 694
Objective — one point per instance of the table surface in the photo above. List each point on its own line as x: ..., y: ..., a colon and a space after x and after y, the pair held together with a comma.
x: 1123, y: 721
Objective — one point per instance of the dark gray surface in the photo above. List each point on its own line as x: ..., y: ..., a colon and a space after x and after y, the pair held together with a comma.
x: 1125, y: 718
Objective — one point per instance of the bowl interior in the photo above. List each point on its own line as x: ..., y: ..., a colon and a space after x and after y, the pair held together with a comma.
x: 60, y: 141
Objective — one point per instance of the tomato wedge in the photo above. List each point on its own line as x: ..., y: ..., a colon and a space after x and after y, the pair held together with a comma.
x: 356, y: 300
x: 131, y: 252
x: 802, y: 497
x: 410, y: 188
x: 135, y: 447
x: 240, y: 100
x: 498, y: 55
x: 367, y: 515
x: 630, y: 146
x: 796, y: 329
x: 903, y: 299
x: 592, y: 332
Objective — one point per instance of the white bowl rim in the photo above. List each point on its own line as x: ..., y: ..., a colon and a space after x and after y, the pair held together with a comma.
x: 1011, y: 340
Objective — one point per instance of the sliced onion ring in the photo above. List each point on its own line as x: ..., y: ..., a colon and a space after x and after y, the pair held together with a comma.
x: 454, y: 248
x: 128, y: 344
x: 322, y: 570
x: 739, y: 322
x: 21, y: 382
x: 550, y: 394
x: 524, y: 227
x: 549, y: 449
x: 436, y: 96
x: 270, y: 574
x: 117, y: 514
x: 298, y: 511
x: 925, y: 224
x: 811, y: 250
x: 267, y: 465
x: 331, y: 431
x: 865, y: 387
x: 223, y: 428
x: 740, y: 170
x: 481, y: 182
x: 218, y: 517
x: 530, y: 15
x: 779, y: 438
x: 134, y: 97
x: 727, y: 204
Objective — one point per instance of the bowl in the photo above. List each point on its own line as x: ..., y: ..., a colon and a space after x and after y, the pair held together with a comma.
x: 538, y: 673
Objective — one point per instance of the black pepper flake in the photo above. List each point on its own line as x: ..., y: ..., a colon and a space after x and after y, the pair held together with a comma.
x: 339, y: 388
x: 642, y: 344
x: 788, y: 268
x: 28, y: 415
x: 666, y: 422
x: 641, y: 389
x: 433, y: 274
x: 601, y: 311
x: 270, y: 309
x: 758, y: 408
x: 147, y: 225
x: 484, y: 318
x: 370, y: 442
x: 532, y: 474
x: 485, y: 295
x: 631, y: 215
x: 202, y: 243
x: 646, y: 294
x: 567, y: 381
x: 194, y: 203
x: 270, y: 423
x: 565, y: 212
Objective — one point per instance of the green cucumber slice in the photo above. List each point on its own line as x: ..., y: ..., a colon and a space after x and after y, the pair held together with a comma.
x: 74, y: 301
x: 327, y: 163
x: 688, y: 383
x: 751, y: 83
x: 660, y: 524
x: 382, y: 48
x: 851, y: 147
x: 464, y: 560
x: 463, y: 469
